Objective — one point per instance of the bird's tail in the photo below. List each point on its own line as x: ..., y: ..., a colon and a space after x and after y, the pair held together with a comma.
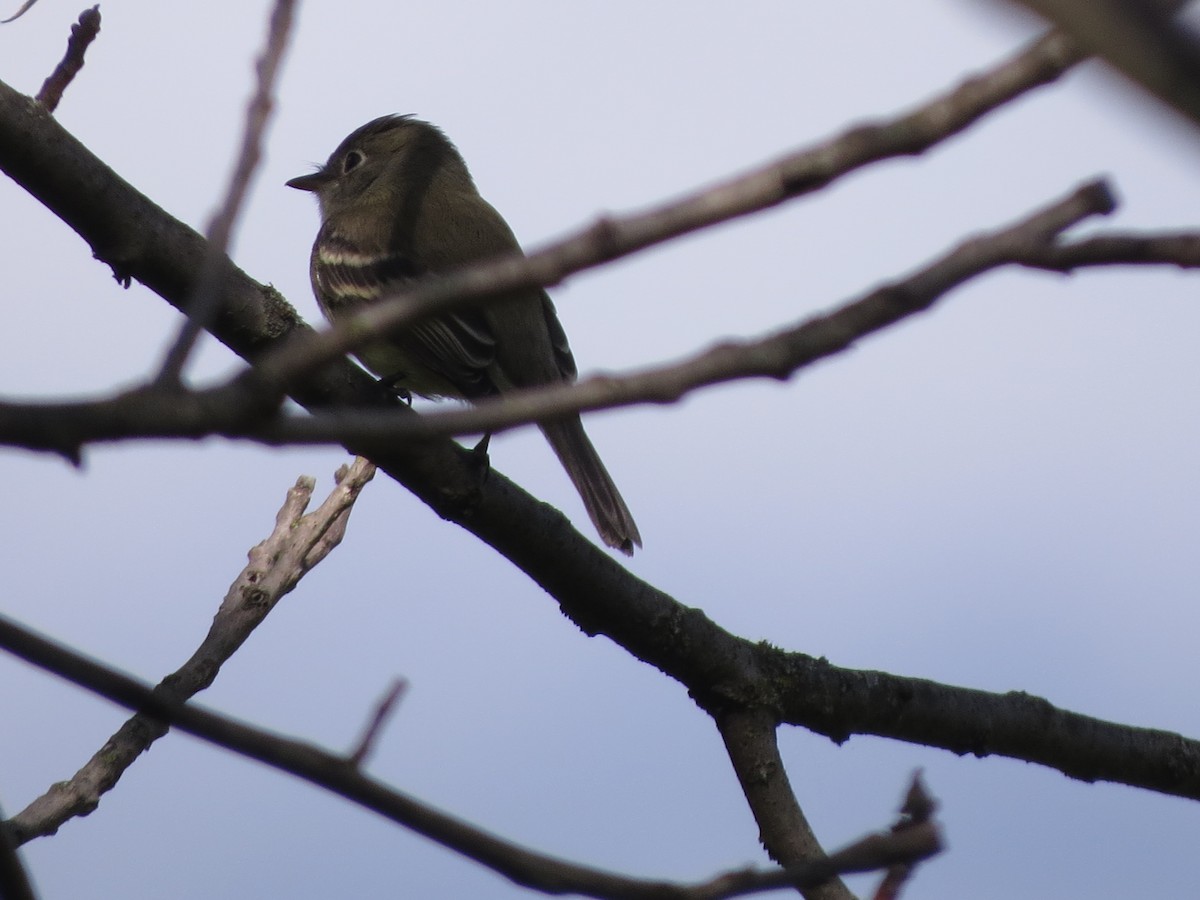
x: 600, y: 496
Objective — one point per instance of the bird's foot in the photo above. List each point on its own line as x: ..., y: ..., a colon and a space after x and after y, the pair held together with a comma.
x: 392, y: 385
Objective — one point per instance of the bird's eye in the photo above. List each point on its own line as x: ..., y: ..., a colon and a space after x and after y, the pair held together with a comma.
x: 352, y: 161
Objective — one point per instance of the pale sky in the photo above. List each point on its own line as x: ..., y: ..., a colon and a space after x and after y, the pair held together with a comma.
x: 999, y: 494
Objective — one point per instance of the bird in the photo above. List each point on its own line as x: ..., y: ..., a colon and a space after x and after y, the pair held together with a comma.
x: 397, y: 203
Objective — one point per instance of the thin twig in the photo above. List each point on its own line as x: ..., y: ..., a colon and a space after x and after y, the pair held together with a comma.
x: 916, y: 811
x: 1180, y: 249
x: 83, y: 33
x: 206, y: 296
x: 25, y: 7
x: 383, y: 711
x: 298, y: 542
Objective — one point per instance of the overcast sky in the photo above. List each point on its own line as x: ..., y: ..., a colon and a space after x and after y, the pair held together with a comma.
x: 1000, y: 494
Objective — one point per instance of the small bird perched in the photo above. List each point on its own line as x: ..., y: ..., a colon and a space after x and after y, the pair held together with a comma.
x: 397, y: 202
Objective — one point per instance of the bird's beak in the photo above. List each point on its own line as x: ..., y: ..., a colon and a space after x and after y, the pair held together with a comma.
x: 313, y: 182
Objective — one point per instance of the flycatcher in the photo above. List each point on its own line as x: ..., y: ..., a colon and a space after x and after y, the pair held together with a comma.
x: 397, y: 202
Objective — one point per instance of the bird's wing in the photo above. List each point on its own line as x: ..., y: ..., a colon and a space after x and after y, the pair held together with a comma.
x: 457, y: 347
x: 558, y: 340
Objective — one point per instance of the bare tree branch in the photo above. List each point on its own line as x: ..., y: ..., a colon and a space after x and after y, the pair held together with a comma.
x: 750, y: 741
x: 83, y: 33
x: 1181, y: 249
x: 297, y: 543
x: 916, y: 812
x: 339, y: 775
x: 206, y: 296
x: 841, y: 702
x: 383, y: 711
